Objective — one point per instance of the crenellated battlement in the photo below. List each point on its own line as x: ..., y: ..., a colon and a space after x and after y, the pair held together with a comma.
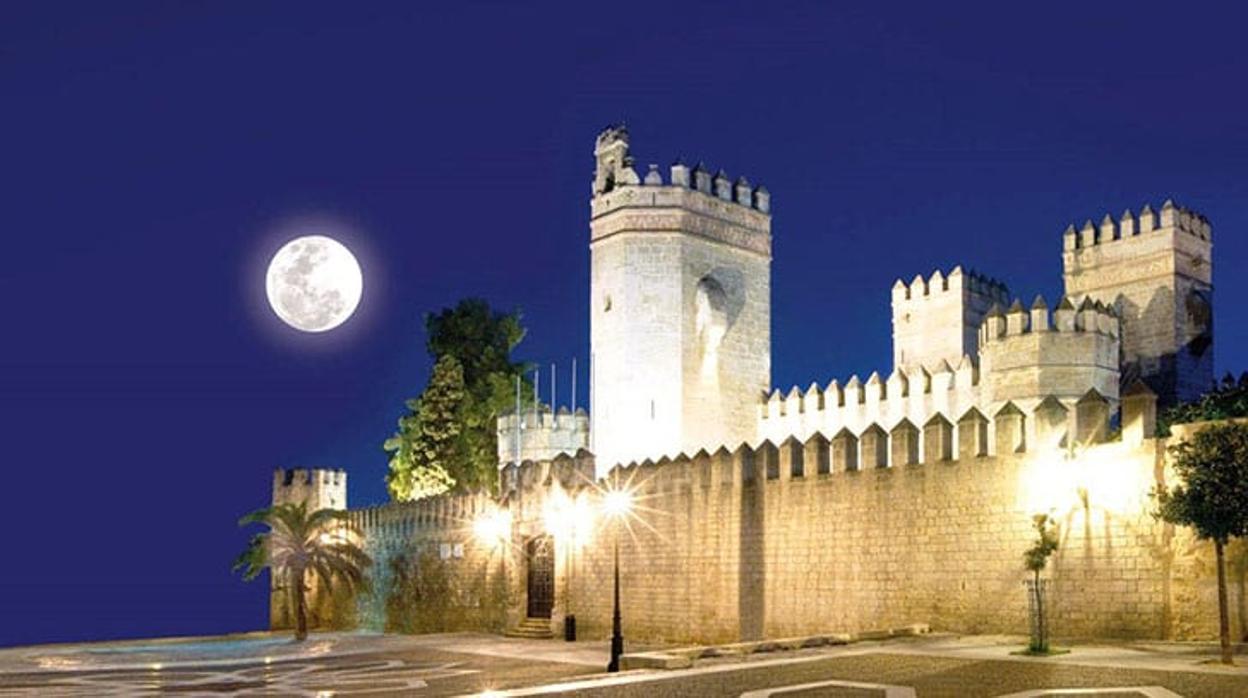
x: 1156, y: 270
x: 1028, y: 353
x: 956, y: 281
x: 914, y: 394
x: 692, y: 200
x: 1089, y: 316
x: 944, y: 437
x: 1128, y: 226
x: 615, y: 170
x: 394, y: 524
x: 539, y: 433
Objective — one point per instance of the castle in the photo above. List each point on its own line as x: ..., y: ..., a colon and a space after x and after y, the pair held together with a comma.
x: 905, y: 497
x: 681, y: 343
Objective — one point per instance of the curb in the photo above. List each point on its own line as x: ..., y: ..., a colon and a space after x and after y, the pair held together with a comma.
x: 684, y: 657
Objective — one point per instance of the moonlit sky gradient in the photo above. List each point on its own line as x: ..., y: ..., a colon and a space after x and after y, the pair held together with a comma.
x: 153, y: 154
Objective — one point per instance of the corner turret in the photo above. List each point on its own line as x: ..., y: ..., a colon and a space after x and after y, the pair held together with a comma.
x: 539, y: 434
x: 1156, y: 271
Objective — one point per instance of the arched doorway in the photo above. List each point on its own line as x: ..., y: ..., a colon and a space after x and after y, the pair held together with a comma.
x: 539, y: 554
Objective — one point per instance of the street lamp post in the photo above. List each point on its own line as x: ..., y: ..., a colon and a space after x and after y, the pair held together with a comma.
x: 617, y: 504
x: 617, y: 634
x: 569, y: 620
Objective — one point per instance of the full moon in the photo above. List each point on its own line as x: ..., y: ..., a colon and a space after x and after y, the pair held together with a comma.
x: 314, y: 283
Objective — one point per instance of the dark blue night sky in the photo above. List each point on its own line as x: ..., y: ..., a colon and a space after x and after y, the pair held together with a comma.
x: 150, y: 153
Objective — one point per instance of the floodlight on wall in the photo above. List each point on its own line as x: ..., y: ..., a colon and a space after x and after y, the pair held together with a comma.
x: 493, y: 528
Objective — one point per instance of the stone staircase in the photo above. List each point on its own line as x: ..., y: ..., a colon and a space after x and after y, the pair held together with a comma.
x: 531, y: 628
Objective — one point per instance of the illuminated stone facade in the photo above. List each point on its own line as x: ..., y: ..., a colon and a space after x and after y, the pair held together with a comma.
x: 680, y: 315
x: 851, y: 505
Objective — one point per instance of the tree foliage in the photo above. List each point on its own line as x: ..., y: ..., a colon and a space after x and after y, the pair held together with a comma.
x: 428, y: 454
x: 1228, y: 399
x: 301, y: 544
x: 1211, y: 497
x: 1034, y: 559
x: 1037, y: 556
x: 448, y: 438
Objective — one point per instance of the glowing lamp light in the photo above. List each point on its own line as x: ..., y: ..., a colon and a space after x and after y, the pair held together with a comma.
x: 617, y: 503
x: 1103, y: 480
x: 493, y: 529
x: 569, y: 518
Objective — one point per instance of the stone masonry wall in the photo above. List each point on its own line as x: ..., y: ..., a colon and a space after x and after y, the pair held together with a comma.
x: 721, y: 557
x: 785, y: 540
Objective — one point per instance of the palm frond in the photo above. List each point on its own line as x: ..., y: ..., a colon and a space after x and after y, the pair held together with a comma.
x: 254, y: 559
x: 258, y: 516
x: 324, y: 541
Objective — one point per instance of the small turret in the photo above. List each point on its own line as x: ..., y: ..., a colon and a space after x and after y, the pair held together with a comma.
x: 318, y: 488
x: 614, y: 164
x: 540, y: 434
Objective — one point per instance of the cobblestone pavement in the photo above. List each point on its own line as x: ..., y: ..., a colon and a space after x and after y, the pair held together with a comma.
x: 893, y: 675
x: 442, y: 665
x: 377, y: 666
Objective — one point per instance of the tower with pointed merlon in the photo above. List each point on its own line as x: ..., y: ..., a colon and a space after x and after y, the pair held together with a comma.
x: 680, y: 306
x: 1156, y: 271
x: 938, y: 318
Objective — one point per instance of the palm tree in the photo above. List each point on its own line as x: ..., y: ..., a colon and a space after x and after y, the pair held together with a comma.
x: 297, y: 543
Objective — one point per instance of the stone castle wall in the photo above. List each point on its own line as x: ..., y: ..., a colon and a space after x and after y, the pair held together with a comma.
x: 760, y: 543
x: 800, y: 537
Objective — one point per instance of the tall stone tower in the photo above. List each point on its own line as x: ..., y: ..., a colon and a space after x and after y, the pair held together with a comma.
x: 938, y: 319
x: 680, y: 307
x: 1157, y: 272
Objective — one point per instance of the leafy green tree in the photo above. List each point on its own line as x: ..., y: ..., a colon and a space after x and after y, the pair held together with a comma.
x: 1211, y: 497
x: 1227, y: 400
x: 448, y: 438
x: 299, y: 544
x: 428, y: 455
x: 1035, y: 559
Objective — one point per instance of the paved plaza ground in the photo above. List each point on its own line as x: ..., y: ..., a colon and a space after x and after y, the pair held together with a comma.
x: 337, y: 664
